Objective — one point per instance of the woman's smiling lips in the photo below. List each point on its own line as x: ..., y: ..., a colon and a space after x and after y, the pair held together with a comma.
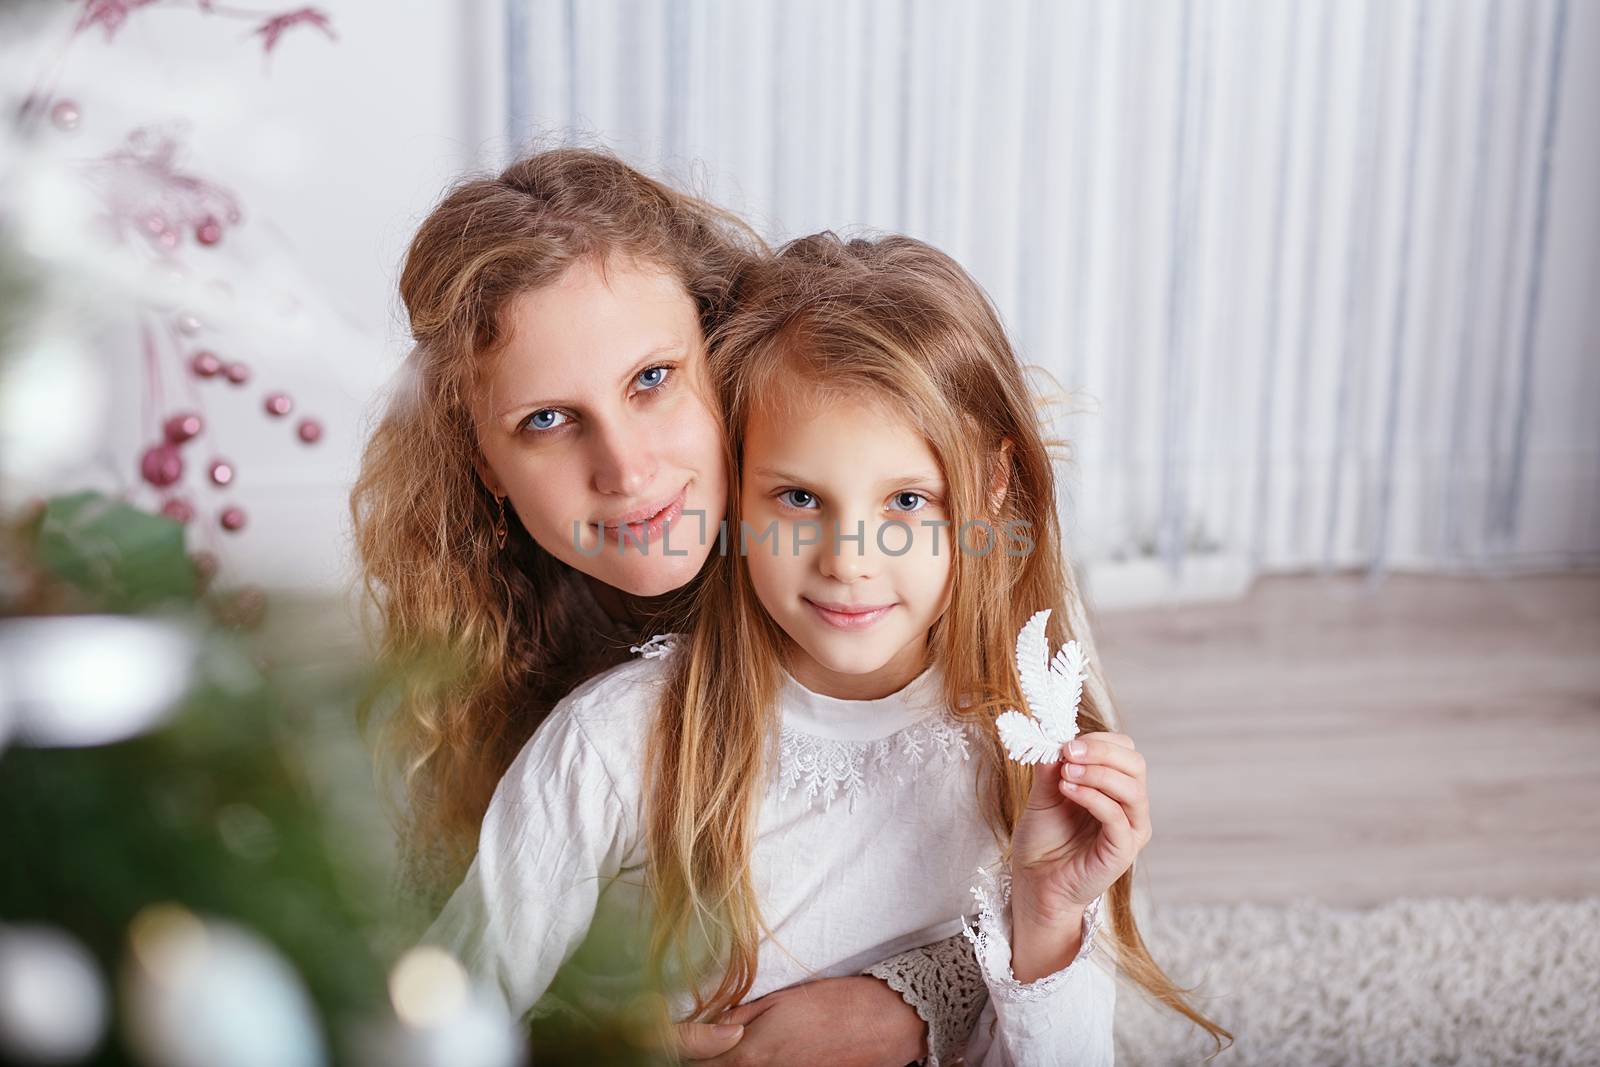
x: 644, y: 525
x: 849, y: 616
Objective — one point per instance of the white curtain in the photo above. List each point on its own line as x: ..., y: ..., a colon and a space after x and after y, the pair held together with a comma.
x: 1321, y: 275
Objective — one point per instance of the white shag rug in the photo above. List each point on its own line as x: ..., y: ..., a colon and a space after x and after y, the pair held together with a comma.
x: 1412, y: 982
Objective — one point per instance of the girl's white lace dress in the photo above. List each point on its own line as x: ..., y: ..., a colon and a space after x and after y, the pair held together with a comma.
x: 869, y: 842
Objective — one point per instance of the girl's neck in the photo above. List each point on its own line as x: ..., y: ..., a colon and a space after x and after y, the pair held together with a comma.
x: 904, y: 666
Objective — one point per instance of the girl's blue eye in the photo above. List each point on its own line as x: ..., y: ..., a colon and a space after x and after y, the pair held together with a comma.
x: 797, y: 498
x: 651, y: 377
x: 908, y: 501
x: 544, y: 419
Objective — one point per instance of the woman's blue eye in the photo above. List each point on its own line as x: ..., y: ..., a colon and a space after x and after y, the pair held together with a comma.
x: 651, y: 377
x: 797, y: 498
x: 544, y: 419
x: 908, y: 501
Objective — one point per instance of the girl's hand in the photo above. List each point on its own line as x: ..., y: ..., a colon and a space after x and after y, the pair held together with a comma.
x: 1079, y: 834
x: 844, y: 1022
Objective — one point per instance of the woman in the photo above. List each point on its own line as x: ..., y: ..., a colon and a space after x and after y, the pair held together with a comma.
x: 548, y: 477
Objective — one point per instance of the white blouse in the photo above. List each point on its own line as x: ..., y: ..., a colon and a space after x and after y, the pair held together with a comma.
x: 869, y: 842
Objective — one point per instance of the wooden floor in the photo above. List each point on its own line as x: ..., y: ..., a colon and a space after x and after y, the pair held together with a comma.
x: 1431, y: 737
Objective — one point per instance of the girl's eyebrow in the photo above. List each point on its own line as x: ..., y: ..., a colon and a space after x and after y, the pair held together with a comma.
x: 898, y: 479
x: 655, y: 355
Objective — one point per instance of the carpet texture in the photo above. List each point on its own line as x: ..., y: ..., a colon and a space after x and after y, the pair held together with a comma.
x: 1411, y: 982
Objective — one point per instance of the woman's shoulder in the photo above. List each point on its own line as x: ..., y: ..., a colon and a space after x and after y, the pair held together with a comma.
x: 615, y: 695
x: 606, y: 720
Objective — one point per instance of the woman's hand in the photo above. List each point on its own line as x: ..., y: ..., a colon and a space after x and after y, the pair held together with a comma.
x: 1088, y: 817
x: 839, y: 1022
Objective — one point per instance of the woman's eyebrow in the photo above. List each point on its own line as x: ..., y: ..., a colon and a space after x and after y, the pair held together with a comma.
x: 655, y: 355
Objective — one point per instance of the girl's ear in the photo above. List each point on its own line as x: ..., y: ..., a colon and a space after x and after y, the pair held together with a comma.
x: 1000, y: 474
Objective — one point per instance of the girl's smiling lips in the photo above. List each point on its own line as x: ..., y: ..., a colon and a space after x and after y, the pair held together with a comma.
x: 848, y: 616
x: 646, y: 522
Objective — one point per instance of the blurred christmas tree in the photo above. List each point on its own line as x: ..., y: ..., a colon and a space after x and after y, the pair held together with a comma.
x: 194, y: 863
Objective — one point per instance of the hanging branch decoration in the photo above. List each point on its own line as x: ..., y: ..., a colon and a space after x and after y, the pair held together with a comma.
x: 1051, y: 689
x: 270, y: 30
x: 110, y: 15
x: 150, y: 200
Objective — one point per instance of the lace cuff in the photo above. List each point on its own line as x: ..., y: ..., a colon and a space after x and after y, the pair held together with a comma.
x: 943, y: 983
x: 991, y: 941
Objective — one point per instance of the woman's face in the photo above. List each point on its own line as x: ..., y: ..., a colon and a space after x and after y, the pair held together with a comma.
x: 595, y: 422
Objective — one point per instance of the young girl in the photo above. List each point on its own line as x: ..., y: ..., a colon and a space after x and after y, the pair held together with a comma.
x: 811, y: 777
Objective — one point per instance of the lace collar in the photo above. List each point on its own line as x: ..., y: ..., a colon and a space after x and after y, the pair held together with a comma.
x: 831, y: 749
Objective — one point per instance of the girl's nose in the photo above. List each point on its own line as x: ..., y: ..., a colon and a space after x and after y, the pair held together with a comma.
x: 847, y: 553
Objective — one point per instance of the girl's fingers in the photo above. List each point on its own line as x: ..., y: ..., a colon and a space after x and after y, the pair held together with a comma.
x: 1099, y: 749
x: 1113, y: 819
x: 1124, y: 789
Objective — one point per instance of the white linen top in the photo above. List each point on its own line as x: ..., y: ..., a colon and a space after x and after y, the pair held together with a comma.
x: 869, y: 841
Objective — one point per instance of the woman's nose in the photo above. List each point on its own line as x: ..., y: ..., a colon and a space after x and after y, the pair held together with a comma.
x: 624, y: 462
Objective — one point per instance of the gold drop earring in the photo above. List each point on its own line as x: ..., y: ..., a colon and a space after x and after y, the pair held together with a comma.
x: 500, y: 524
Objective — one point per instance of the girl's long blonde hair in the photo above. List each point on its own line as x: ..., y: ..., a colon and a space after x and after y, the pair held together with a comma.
x: 482, y: 642
x: 896, y: 319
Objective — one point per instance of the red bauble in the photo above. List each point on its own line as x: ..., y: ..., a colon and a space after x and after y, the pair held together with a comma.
x: 310, y: 431
x: 205, y: 566
x: 238, y: 373
x: 221, y: 473
x: 65, y: 115
x: 205, y: 364
x: 161, y: 465
x: 209, y: 231
x: 178, y: 509
x: 232, y: 519
x: 183, y: 427
x: 279, y: 404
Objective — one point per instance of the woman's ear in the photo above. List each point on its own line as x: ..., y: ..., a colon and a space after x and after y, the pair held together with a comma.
x: 486, y: 474
x: 1000, y: 476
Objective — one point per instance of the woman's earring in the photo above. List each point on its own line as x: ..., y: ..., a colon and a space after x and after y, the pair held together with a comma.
x: 500, y: 524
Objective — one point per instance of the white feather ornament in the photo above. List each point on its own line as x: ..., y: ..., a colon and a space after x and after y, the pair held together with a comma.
x: 1051, y: 689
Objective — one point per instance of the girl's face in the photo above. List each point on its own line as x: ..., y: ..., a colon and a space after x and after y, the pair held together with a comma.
x: 857, y: 609
x: 594, y: 422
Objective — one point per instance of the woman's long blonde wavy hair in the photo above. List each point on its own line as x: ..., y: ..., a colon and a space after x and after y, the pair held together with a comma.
x: 481, y: 642
x: 894, y: 319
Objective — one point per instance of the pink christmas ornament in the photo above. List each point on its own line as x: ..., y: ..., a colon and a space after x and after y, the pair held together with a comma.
x: 65, y: 115
x: 161, y: 465
x: 205, y: 566
x: 279, y: 404
x: 205, y: 364
x: 209, y: 231
x: 178, y: 509
x: 183, y: 427
x: 238, y: 373
x: 310, y: 431
x: 221, y: 473
x: 232, y: 519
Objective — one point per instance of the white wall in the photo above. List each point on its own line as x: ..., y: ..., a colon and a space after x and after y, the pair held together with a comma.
x: 336, y: 150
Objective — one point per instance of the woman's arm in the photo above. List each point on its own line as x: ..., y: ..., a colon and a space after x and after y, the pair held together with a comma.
x: 919, y: 1007
x: 943, y: 984
x: 556, y: 833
